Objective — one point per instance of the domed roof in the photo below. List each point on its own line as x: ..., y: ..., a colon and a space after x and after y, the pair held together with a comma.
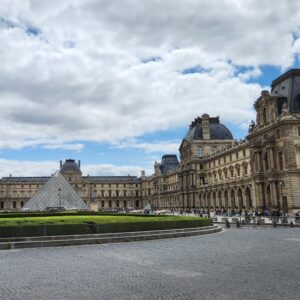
x: 217, y: 130
x: 70, y: 165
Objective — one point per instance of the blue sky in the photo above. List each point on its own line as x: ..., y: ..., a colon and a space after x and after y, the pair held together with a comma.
x: 116, y: 84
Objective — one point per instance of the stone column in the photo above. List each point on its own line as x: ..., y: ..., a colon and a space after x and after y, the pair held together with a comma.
x: 274, y: 194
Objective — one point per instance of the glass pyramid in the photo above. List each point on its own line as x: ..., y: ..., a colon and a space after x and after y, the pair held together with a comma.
x: 56, y: 193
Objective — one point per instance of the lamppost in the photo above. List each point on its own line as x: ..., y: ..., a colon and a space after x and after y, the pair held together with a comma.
x: 281, y: 183
x: 59, y: 197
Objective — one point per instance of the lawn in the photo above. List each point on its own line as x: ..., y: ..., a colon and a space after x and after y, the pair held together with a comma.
x: 68, y: 220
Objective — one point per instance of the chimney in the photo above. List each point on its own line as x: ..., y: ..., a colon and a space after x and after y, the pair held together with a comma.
x: 205, y: 127
x: 79, y: 164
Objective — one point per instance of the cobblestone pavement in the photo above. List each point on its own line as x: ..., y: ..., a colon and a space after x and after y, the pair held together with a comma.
x: 246, y: 263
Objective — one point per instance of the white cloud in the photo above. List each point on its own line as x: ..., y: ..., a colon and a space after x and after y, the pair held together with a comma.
x: 114, y: 170
x: 161, y: 147
x: 79, y: 74
x: 27, y: 168
x: 46, y: 168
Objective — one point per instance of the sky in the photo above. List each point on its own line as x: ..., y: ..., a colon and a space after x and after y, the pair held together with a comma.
x: 116, y: 83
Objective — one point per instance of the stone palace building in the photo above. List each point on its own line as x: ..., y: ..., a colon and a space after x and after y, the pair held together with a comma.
x: 214, y: 172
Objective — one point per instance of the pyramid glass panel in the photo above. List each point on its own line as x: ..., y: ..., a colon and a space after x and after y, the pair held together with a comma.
x: 56, y: 193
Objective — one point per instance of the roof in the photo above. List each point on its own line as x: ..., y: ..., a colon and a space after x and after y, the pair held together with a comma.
x: 217, y: 130
x: 122, y: 179
x: 24, y: 179
x: 70, y: 165
x: 290, y: 73
x: 169, y: 163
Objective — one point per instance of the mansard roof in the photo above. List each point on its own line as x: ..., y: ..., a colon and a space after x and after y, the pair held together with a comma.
x: 12, y: 179
x: 116, y: 179
x: 217, y: 130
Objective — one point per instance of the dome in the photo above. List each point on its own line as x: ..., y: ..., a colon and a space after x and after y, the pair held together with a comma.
x: 70, y: 165
x: 217, y: 130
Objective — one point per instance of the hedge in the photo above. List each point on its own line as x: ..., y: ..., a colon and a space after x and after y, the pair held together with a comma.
x: 77, y: 213
x: 48, y: 230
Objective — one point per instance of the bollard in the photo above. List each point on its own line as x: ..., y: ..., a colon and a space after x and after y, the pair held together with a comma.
x: 227, y: 224
x: 292, y: 224
x: 238, y: 225
x: 274, y: 223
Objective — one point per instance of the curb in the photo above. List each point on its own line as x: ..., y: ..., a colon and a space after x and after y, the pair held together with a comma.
x: 89, y: 239
x: 256, y: 225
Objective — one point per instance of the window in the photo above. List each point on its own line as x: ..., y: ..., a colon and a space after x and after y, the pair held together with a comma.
x: 200, y: 152
x: 109, y: 203
x: 224, y: 159
x: 14, y: 204
x: 245, y: 169
x: 102, y: 203
x: 237, y: 155
x: 1, y: 204
x: 278, y: 132
x: 266, y: 161
x: 22, y: 203
x: 125, y: 203
x: 244, y: 153
x: 230, y: 157
x: 117, y: 203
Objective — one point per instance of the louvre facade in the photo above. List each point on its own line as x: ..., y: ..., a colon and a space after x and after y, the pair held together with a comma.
x: 215, y: 171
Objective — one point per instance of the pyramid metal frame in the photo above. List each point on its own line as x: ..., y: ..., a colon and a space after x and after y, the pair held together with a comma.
x: 56, y: 193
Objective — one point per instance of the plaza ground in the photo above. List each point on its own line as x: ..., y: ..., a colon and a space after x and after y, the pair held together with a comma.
x: 246, y: 263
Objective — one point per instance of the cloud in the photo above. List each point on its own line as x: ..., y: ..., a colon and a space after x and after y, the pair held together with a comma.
x: 108, y: 71
x: 160, y: 147
x: 46, y: 168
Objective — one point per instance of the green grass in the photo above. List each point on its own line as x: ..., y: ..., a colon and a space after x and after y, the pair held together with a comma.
x: 59, y: 220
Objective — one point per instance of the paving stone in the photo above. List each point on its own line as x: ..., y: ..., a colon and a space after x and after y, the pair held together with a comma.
x: 246, y: 263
